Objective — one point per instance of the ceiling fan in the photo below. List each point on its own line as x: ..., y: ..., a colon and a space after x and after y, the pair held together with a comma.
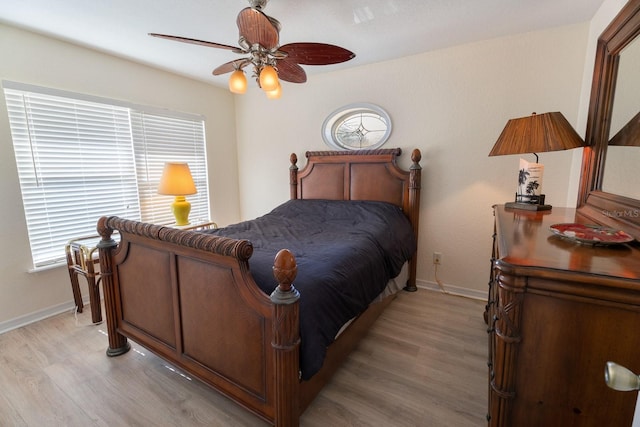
x: 259, y: 39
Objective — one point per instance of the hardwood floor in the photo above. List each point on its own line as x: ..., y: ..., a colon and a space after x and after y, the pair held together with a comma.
x: 422, y: 364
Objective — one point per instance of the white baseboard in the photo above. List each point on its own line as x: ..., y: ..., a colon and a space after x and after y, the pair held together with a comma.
x: 18, y: 322
x: 453, y: 290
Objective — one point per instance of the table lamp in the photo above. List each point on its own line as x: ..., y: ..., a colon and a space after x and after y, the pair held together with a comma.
x: 177, y: 181
x: 534, y: 134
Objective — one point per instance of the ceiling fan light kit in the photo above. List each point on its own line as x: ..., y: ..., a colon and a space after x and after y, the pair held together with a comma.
x: 275, y: 94
x: 269, y: 78
x: 260, y: 40
x: 238, y: 82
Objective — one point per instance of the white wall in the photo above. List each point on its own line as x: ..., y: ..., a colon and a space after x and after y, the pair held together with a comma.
x: 452, y: 104
x: 34, y: 59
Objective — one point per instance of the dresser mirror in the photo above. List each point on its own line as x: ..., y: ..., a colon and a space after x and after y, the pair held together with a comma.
x: 623, y: 151
x: 609, y: 183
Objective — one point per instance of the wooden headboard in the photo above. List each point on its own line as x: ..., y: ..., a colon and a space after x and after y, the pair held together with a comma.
x: 361, y: 175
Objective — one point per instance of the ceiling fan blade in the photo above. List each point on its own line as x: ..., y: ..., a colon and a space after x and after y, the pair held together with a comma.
x: 229, y: 66
x: 316, y: 53
x: 290, y: 71
x: 195, y: 41
x: 256, y: 27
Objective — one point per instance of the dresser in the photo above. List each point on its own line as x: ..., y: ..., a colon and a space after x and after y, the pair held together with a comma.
x: 557, y: 311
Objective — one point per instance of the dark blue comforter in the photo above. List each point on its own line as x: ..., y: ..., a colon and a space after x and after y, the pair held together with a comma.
x: 346, y: 253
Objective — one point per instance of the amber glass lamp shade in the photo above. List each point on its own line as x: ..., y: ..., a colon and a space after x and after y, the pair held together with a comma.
x: 275, y: 94
x: 177, y: 181
x: 238, y: 82
x: 269, y: 78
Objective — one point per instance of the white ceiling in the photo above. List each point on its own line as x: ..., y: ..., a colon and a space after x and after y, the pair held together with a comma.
x: 375, y: 30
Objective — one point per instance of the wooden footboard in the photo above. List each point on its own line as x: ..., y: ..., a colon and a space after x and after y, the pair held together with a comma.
x: 189, y: 297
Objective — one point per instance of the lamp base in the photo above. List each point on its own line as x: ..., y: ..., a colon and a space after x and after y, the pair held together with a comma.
x: 527, y: 206
x: 181, y: 208
x: 528, y: 203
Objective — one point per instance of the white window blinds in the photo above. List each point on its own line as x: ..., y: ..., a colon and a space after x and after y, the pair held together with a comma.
x: 155, y: 138
x: 79, y: 160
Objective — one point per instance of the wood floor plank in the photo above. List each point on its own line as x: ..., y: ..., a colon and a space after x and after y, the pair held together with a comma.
x: 422, y: 364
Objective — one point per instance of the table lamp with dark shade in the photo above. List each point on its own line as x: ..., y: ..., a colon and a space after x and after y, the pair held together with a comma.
x: 177, y: 181
x: 534, y: 134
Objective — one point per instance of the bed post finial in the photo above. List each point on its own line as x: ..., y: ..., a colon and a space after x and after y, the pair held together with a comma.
x: 293, y: 176
x: 416, y: 156
x: 286, y: 340
x: 285, y: 270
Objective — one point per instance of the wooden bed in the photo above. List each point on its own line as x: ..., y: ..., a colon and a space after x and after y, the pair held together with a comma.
x: 190, y: 297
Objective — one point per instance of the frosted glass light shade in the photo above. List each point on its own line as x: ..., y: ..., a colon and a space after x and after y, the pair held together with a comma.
x: 275, y: 94
x: 269, y: 78
x: 238, y: 82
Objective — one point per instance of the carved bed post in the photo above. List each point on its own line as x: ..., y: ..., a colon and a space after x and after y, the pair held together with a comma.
x: 286, y: 340
x: 415, y: 173
x: 117, y: 343
x: 293, y: 176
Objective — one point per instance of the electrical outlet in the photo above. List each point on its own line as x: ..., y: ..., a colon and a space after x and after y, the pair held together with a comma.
x: 437, y: 258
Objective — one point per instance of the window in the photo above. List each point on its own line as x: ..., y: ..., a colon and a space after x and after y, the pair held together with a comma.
x: 157, y: 139
x: 82, y: 157
x: 361, y: 126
